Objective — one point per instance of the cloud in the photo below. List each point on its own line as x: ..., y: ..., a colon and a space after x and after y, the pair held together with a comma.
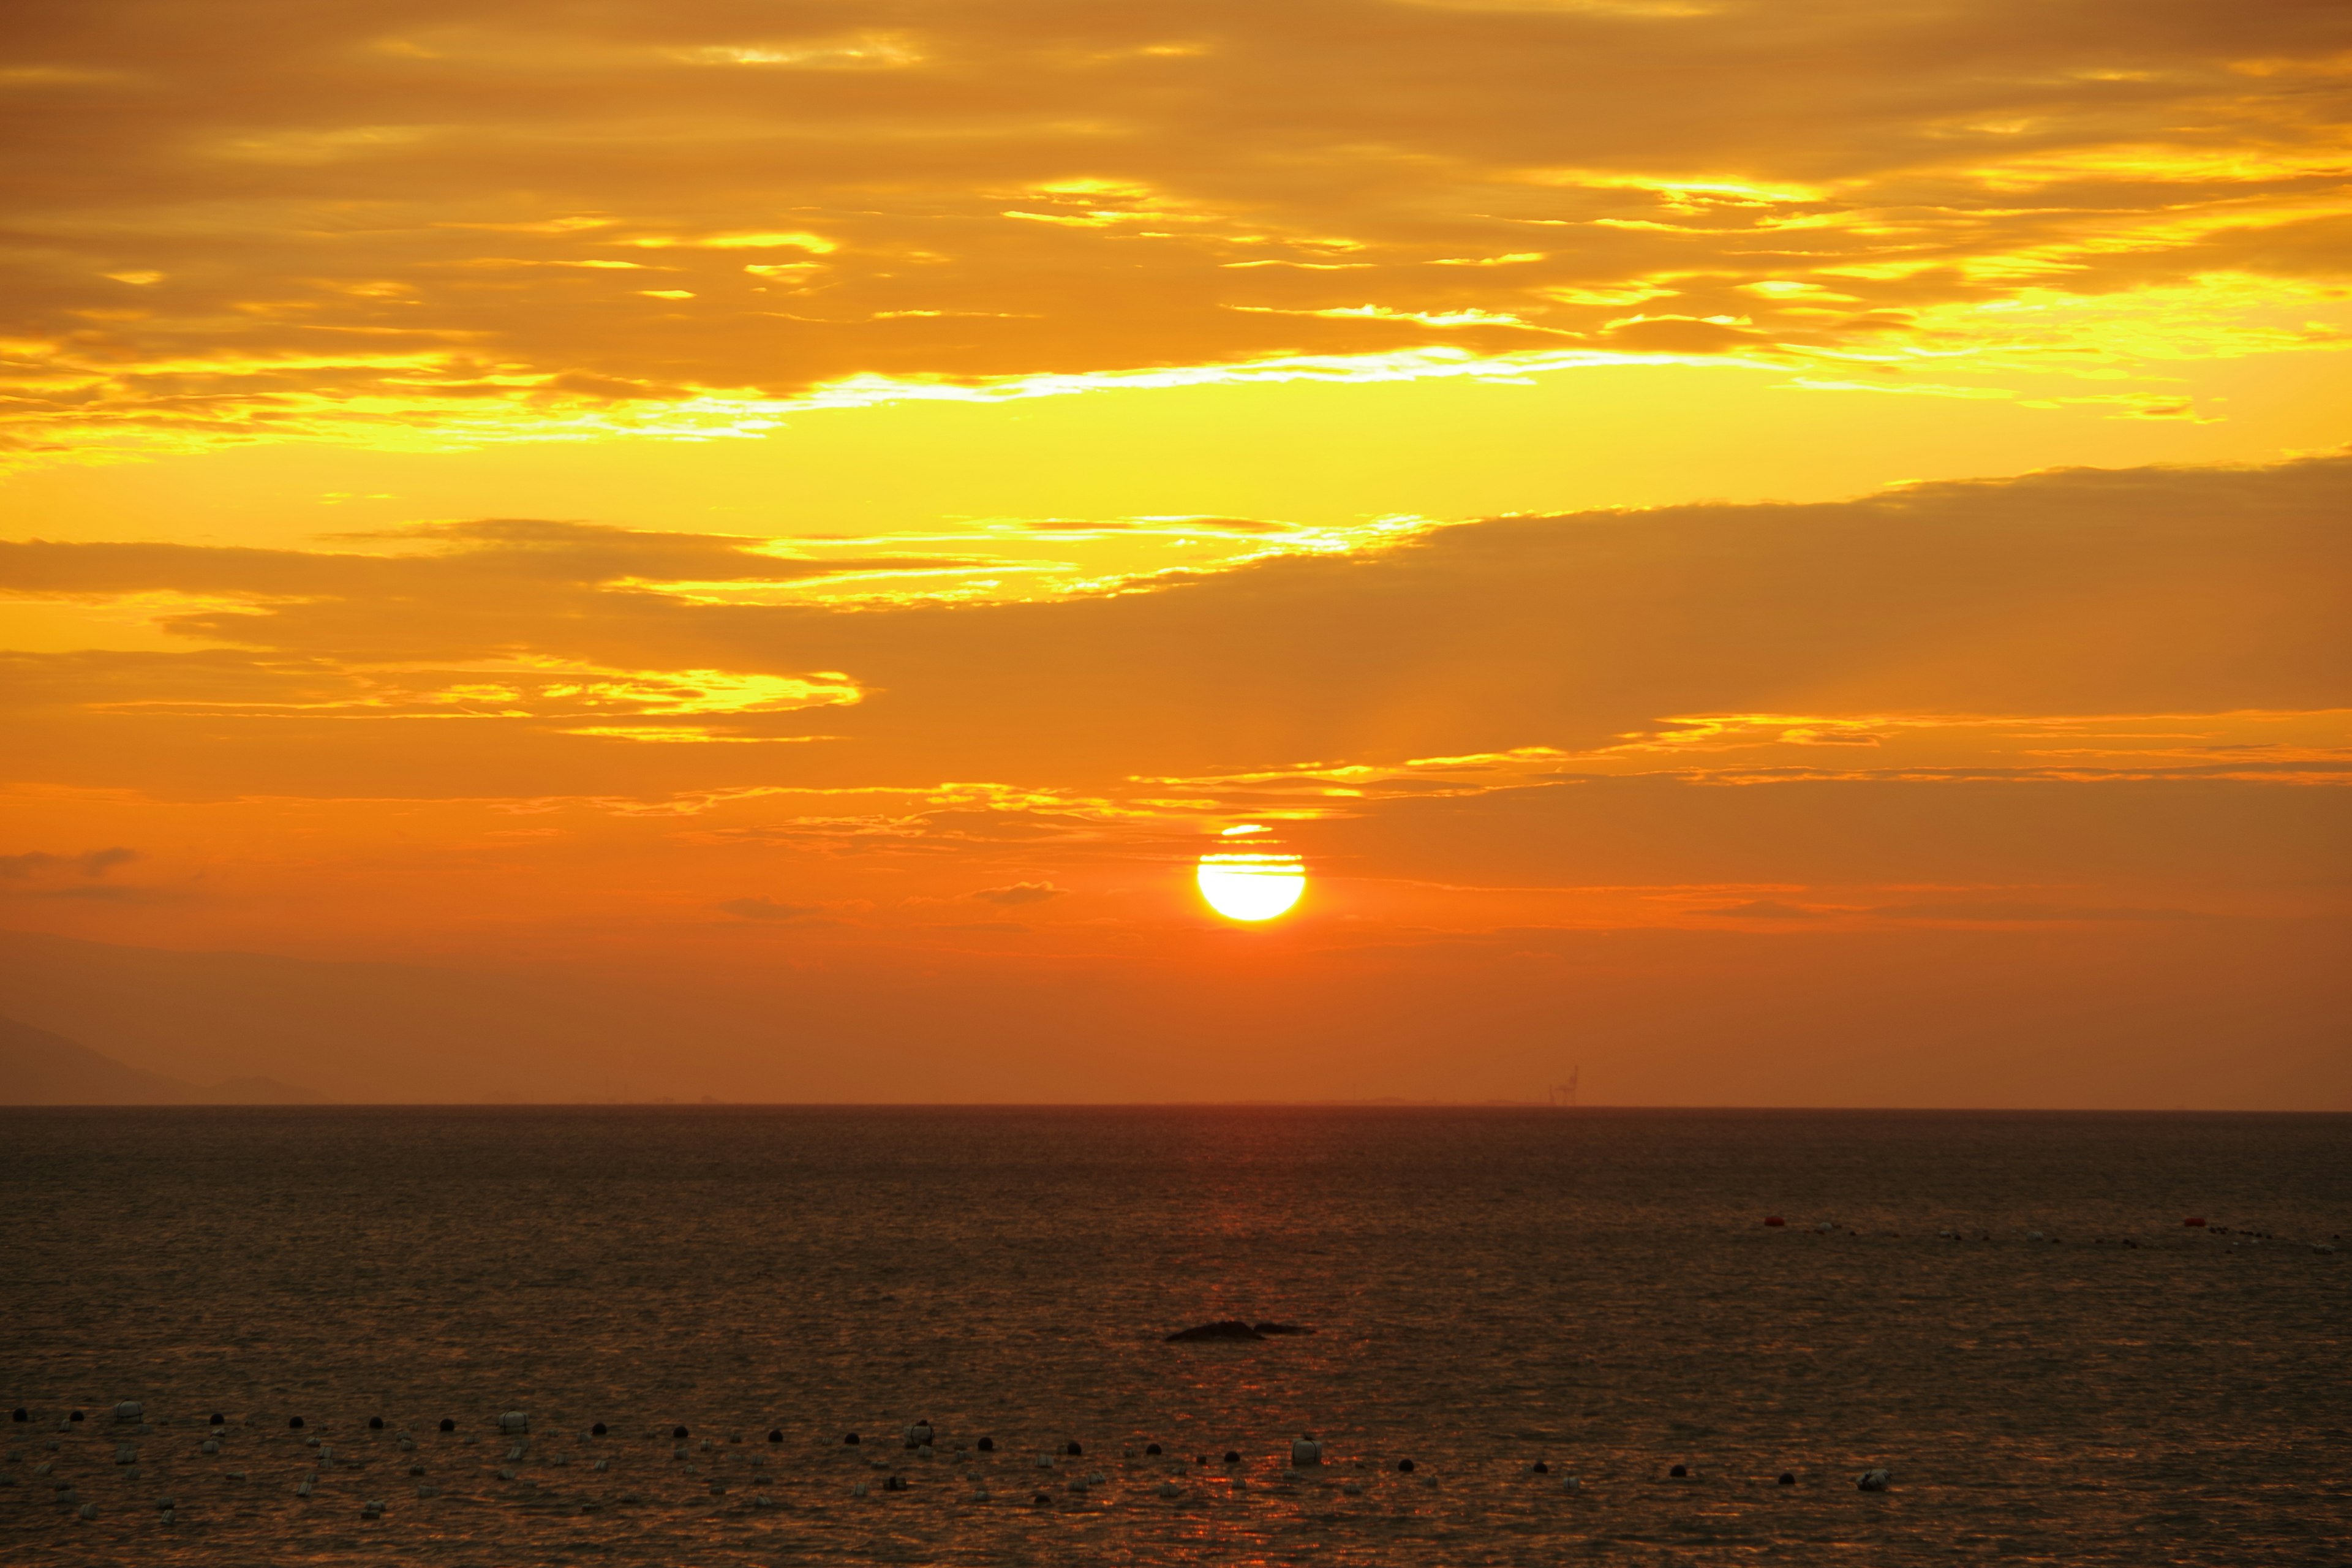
x: 2073, y: 593
x: 765, y: 908
x: 2003, y: 911
x: 1041, y: 197
x: 90, y: 863
x: 1765, y: 910
x: 1019, y: 893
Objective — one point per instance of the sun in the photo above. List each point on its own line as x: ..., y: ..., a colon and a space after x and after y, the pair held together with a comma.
x: 1250, y: 884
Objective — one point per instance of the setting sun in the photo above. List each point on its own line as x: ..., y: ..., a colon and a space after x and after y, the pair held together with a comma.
x: 1251, y: 886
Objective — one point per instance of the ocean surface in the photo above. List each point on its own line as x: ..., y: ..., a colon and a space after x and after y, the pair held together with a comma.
x: 1490, y: 1290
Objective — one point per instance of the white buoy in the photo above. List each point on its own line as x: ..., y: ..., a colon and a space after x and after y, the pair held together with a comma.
x: 514, y: 1421
x: 1875, y: 1480
x: 129, y: 1410
x: 1305, y: 1451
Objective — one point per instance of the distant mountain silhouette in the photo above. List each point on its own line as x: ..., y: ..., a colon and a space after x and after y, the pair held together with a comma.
x: 37, y: 1067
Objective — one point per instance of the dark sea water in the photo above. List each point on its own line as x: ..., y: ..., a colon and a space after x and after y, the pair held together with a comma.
x: 1490, y: 1289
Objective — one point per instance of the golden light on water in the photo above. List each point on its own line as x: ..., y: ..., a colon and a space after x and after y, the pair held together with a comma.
x: 1250, y: 884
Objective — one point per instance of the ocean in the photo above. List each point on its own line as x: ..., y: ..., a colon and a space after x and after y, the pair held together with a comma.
x: 1546, y: 1312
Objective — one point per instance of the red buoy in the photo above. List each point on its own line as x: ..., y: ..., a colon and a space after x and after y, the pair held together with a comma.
x: 1774, y: 1219
x: 2194, y: 1222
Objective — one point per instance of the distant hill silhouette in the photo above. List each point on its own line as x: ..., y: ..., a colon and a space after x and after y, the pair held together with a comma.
x: 37, y: 1067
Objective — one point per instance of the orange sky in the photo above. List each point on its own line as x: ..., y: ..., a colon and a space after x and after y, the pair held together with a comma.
x: 1784, y: 553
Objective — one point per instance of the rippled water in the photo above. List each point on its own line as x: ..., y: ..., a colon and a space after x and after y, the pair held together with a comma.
x: 1491, y: 1289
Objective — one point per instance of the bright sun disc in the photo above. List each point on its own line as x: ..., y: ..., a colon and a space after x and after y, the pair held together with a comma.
x: 1250, y: 887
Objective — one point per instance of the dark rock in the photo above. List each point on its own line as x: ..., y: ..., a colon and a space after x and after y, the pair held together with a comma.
x: 1228, y: 1329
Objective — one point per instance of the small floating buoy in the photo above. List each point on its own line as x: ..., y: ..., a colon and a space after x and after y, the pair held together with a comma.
x: 514, y: 1421
x: 851, y: 1439
x: 209, y: 1445
x: 1874, y: 1481
x: 1786, y: 1480
x: 858, y: 1488
x: 376, y: 1423
x: 77, y: 1415
x: 1039, y: 1500
x: 21, y: 1413
x: 447, y: 1424
x: 1775, y: 1221
x: 1679, y: 1472
x: 304, y: 1489
x: 1539, y: 1468
x: 1570, y: 1484
x: 598, y: 1430
x: 919, y: 1435
x: 1073, y: 1450
x: 676, y: 1433
x: 129, y: 1410
x: 1404, y: 1467
x: 1305, y: 1452
x: 2194, y: 1223
x: 293, y: 1422
x: 1150, y: 1449
x: 775, y: 1434
x: 986, y: 1445
x: 1169, y: 1489
x: 87, y: 1510
x: 1233, y: 1456
x: 217, y: 1420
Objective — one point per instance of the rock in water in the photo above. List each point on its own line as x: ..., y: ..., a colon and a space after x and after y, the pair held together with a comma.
x: 1226, y: 1329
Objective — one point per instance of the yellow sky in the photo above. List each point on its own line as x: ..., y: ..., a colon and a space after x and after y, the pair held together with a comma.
x: 854, y: 498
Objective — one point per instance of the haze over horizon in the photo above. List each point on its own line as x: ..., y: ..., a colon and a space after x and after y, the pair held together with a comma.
x: 1781, y: 556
